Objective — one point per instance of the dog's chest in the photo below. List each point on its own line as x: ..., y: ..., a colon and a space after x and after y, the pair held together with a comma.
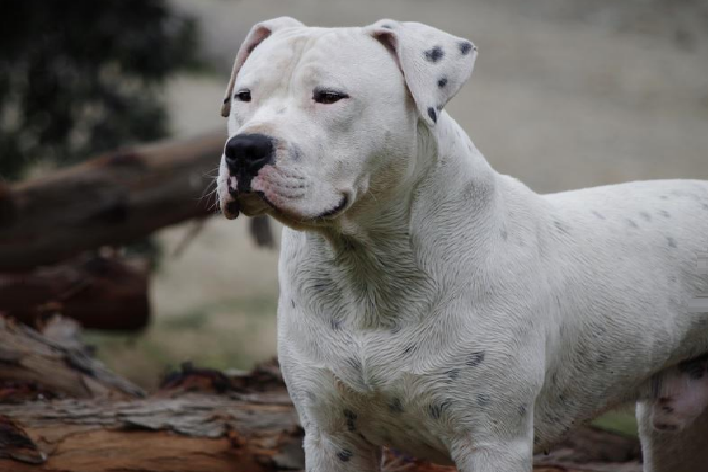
x: 372, y: 385
x: 400, y: 410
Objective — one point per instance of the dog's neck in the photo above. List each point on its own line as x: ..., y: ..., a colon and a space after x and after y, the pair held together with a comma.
x: 403, y: 247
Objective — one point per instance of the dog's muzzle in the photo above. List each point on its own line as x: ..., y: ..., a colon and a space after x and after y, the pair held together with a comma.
x: 245, y: 155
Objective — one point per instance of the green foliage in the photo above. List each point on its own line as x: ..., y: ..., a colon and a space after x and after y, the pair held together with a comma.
x: 84, y: 76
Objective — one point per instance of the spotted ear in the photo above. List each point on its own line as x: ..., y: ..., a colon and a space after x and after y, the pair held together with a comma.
x: 256, y: 36
x: 435, y: 64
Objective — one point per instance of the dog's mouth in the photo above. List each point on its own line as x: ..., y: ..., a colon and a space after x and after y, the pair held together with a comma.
x: 256, y: 202
x: 320, y: 218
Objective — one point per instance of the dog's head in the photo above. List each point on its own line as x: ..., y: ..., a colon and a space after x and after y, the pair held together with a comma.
x: 318, y: 117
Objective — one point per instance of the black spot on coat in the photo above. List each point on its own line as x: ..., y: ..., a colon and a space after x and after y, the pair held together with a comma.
x: 476, y: 359
x: 483, y: 399
x: 436, y: 410
x: 395, y: 406
x: 351, y: 418
x: 442, y: 82
x: 453, y: 374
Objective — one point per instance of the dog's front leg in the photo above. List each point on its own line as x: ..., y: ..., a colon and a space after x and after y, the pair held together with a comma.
x: 503, y: 448
x: 339, y: 453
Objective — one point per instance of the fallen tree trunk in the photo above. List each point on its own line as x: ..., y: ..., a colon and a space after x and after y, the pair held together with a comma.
x: 201, y: 420
x: 97, y: 291
x: 250, y: 426
x: 112, y: 200
x: 256, y: 432
x: 53, y: 366
x: 196, y: 433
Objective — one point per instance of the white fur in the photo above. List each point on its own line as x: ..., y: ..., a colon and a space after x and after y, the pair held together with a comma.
x: 449, y: 311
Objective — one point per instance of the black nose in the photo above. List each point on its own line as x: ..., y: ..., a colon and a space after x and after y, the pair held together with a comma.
x: 246, y: 154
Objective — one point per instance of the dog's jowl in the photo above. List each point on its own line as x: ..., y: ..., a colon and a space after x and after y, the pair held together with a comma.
x: 431, y: 304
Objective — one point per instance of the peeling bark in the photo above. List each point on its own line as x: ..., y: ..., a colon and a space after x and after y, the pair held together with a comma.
x: 35, y: 366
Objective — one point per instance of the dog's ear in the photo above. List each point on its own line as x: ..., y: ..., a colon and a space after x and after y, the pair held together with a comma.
x: 435, y: 64
x: 255, y: 37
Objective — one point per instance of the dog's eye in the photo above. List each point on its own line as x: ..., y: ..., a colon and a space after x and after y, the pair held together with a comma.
x: 328, y: 97
x: 244, y: 95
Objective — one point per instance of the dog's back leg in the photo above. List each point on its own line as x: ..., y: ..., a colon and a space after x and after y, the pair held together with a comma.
x: 673, y: 423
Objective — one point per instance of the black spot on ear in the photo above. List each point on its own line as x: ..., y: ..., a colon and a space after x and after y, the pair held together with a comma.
x: 672, y: 242
x: 434, y: 54
x: 442, y: 82
x: 432, y: 114
x: 465, y: 47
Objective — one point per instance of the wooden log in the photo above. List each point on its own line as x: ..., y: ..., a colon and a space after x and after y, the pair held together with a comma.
x: 36, y: 366
x: 112, y: 200
x: 248, y: 432
x: 100, y: 292
x: 249, y: 426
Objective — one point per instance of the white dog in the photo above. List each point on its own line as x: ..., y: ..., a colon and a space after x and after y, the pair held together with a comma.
x: 433, y: 305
